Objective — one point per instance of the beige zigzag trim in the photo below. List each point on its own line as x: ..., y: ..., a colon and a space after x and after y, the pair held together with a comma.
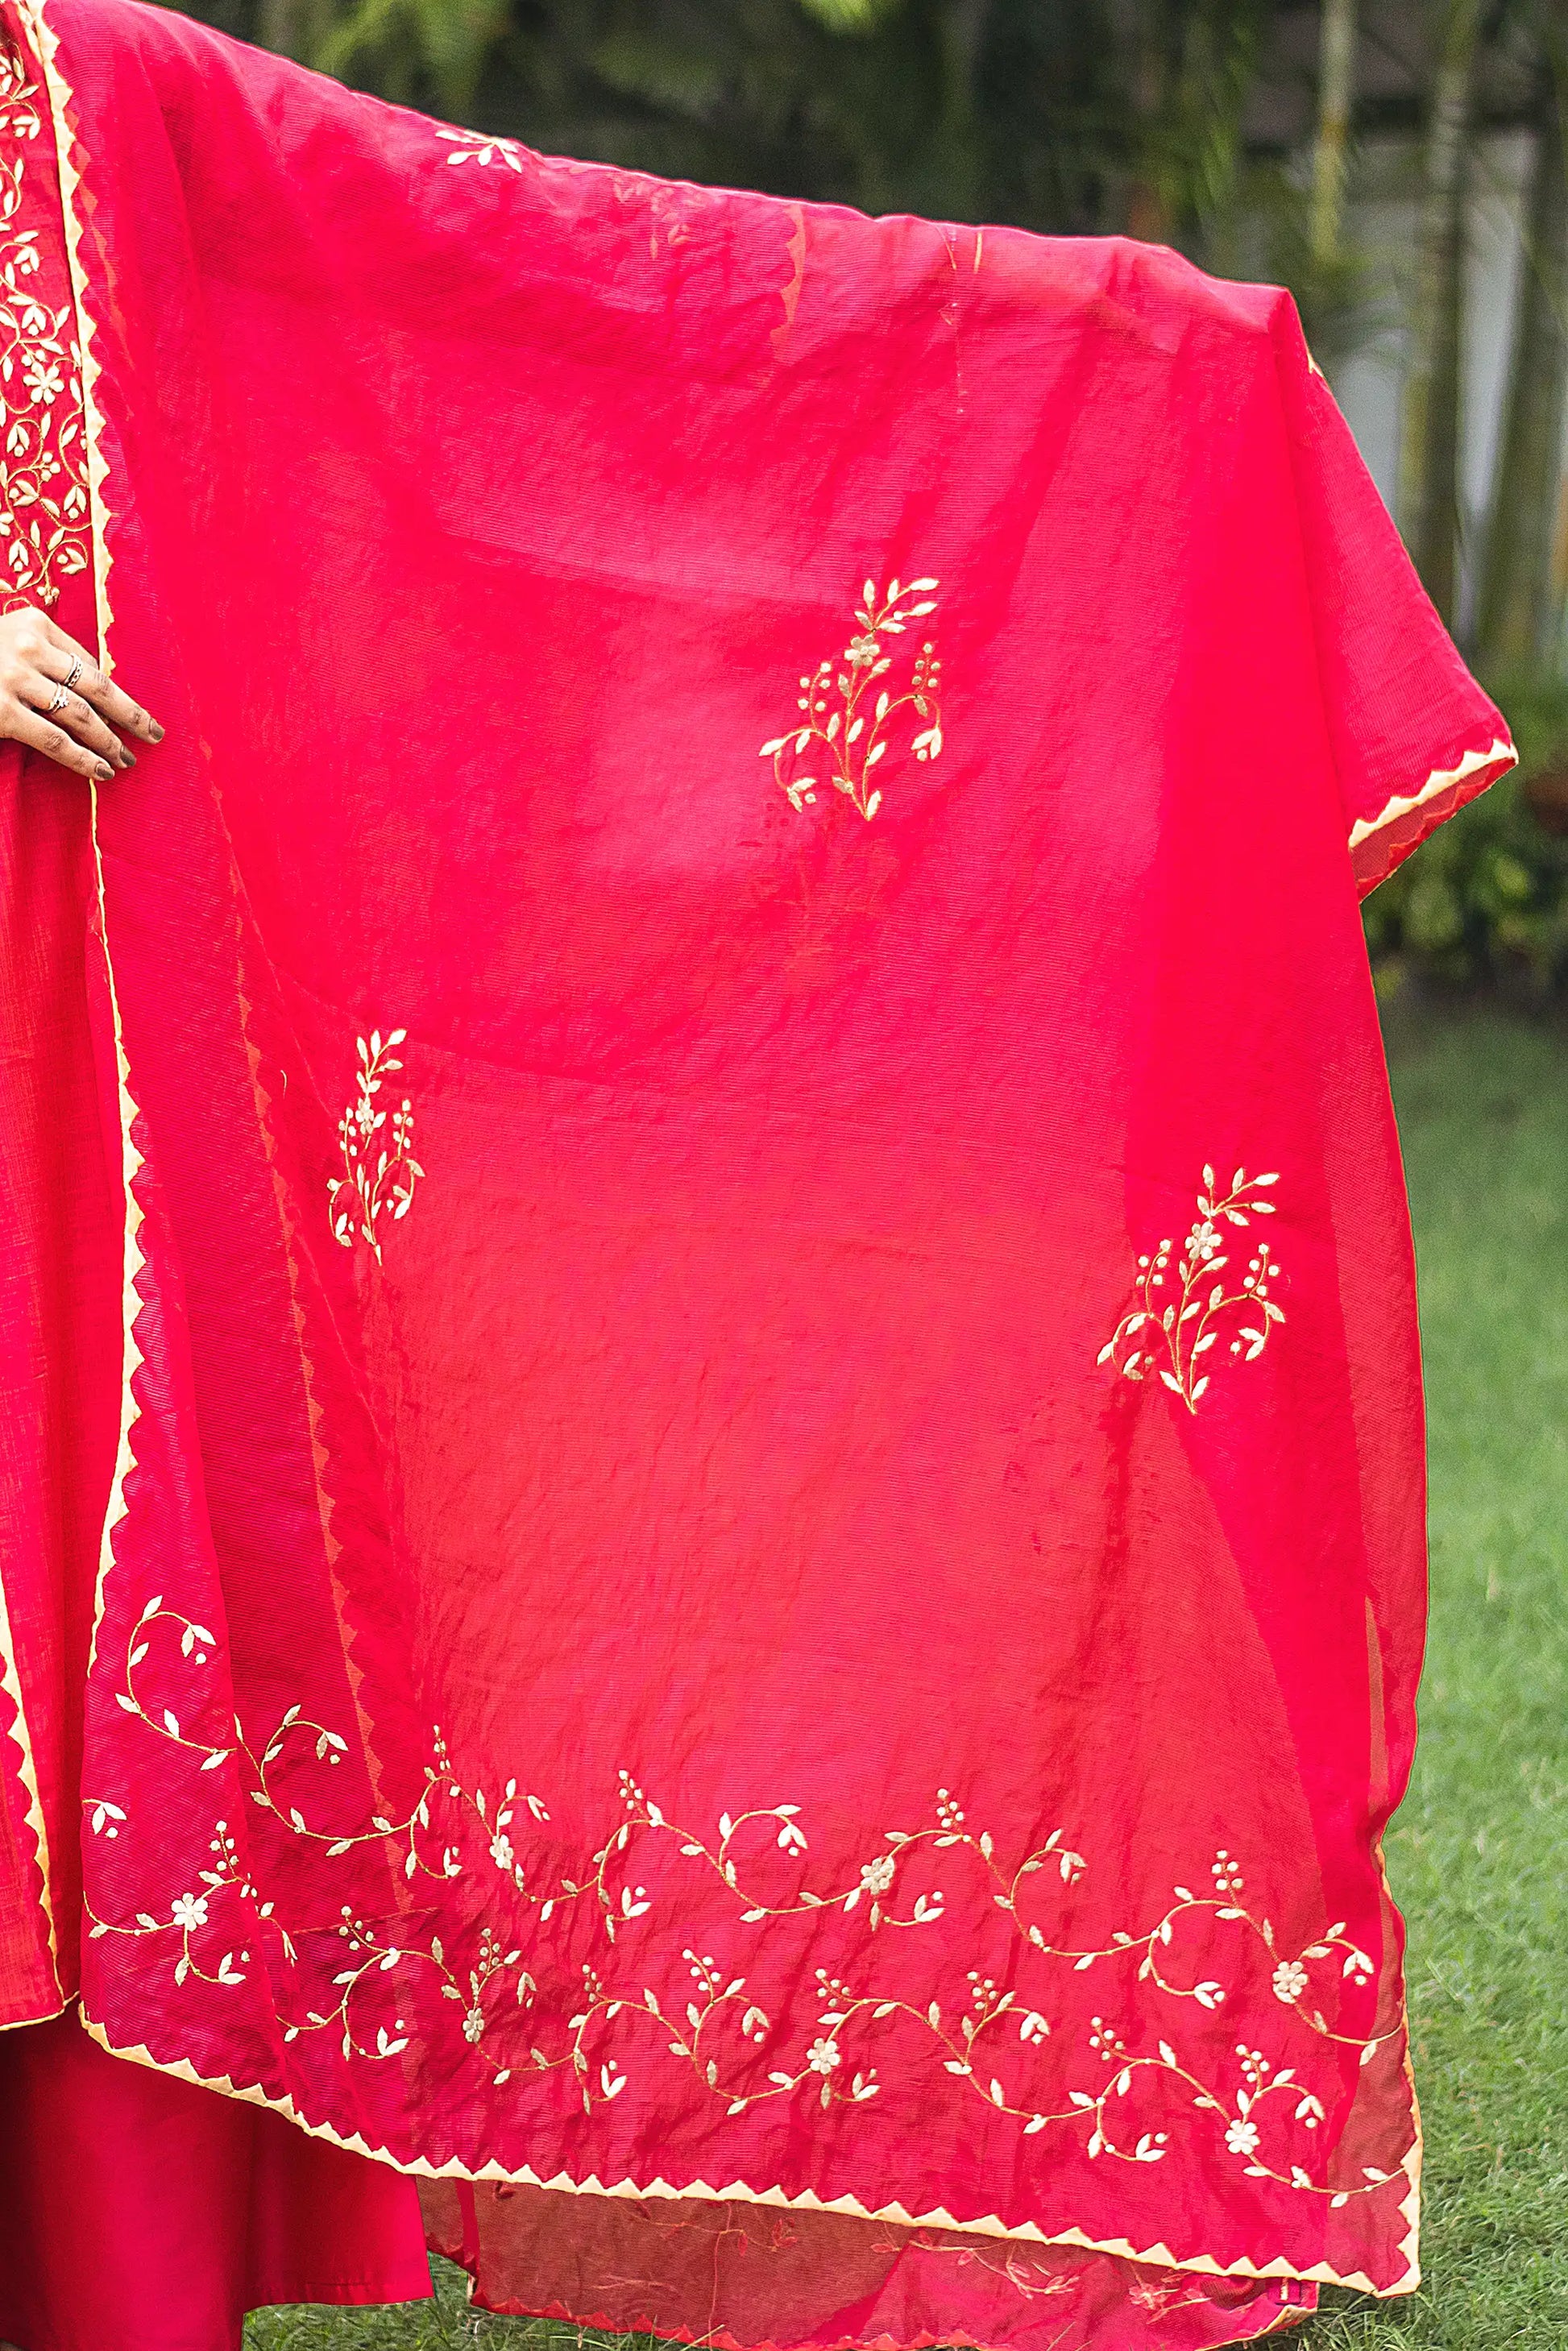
x: 1440, y: 780
x: 1157, y: 2256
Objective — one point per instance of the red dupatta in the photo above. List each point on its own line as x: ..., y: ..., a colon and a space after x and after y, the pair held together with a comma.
x: 764, y: 1584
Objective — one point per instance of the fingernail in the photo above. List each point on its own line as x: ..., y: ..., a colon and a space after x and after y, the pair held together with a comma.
x: 129, y: 757
x: 104, y: 772
x: 157, y: 730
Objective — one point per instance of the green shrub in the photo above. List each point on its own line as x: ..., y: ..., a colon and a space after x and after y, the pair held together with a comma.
x: 1487, y: 897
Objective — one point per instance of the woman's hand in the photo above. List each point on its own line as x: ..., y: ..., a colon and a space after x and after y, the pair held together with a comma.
x: 56, y: 699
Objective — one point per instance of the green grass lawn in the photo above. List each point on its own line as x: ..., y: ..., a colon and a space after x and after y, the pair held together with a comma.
x: 1479, y: 1855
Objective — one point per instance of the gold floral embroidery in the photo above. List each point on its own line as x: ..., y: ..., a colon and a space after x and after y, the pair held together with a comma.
x: 43, y: 513
x: 473, y: 147
x: 380, y: 1168
x: 1180, y: 1312
x: 836, y: 734
x: 387, y: 1985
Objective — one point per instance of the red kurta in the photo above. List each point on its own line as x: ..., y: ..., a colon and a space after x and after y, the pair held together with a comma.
x: 765, y: 1580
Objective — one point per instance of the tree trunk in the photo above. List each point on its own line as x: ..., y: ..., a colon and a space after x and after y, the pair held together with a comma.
x: 276, y: 26
x: 1518, y: 605
x: 294, y: 29
x: 1148, y: 209
x: 1429, y: 439
x: 1336, y: 86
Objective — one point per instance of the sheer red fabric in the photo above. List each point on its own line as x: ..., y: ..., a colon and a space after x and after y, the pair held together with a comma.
x: 763, y: 1588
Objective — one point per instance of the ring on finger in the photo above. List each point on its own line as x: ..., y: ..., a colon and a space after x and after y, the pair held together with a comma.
x: 58, y: 699
x: 72, y: 673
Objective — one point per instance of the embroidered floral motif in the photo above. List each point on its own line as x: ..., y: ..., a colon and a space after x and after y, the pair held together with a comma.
x: 44, y: 511
x: 389, y: 1984
x: 1182, y: 1309
x: 380, y: 1168
x: 472, y: 147
x: 838, y: 737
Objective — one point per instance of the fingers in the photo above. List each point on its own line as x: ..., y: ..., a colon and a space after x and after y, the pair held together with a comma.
x: 24, y: 726
x: 74, y: 717
x: 59, y: 655
x: 54, y: 697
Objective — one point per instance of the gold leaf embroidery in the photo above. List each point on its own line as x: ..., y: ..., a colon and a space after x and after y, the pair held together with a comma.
x: 473, y: 147
x: 44, y: 511
x: 1182, y: 1309
x: 843, y: 733
x: 380, y: 1168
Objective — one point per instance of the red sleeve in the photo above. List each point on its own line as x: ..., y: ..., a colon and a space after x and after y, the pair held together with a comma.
x: 1413, y: 736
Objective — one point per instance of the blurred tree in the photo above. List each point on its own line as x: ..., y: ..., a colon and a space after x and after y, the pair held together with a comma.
x: 963, y: 108
x: 1190, y: 70
x: 1519, y: 617
x: 1078, y: 115
x: 1336, y: 91
x: 1429, y: 438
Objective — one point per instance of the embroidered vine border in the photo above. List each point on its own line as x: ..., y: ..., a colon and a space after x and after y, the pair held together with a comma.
x: 986, y: 2037
x: 45, y: 516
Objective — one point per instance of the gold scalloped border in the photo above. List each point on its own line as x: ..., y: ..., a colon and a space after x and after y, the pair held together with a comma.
x: 1502, y: 754
x: 33, y: 16
x: 45, y: 44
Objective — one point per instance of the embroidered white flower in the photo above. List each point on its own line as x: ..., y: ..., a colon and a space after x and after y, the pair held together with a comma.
x: 501, y: 1852
x: 473, y: 2024
x: 1241, y: 2137
x: 824, y: 2056
x: 45, y: 380
x: 189, y: 1910
x: 878, y: 1875
x: 1290, y: 1981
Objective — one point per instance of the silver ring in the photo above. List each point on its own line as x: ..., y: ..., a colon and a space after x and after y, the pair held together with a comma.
x: 58, y: 700
x: 72, y: 673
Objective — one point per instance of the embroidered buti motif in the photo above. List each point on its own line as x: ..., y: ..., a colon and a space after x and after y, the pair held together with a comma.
x: 44, y: 509
x: 1183, y: 1308
x: 844, y: 730
x: 380, y: 1170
